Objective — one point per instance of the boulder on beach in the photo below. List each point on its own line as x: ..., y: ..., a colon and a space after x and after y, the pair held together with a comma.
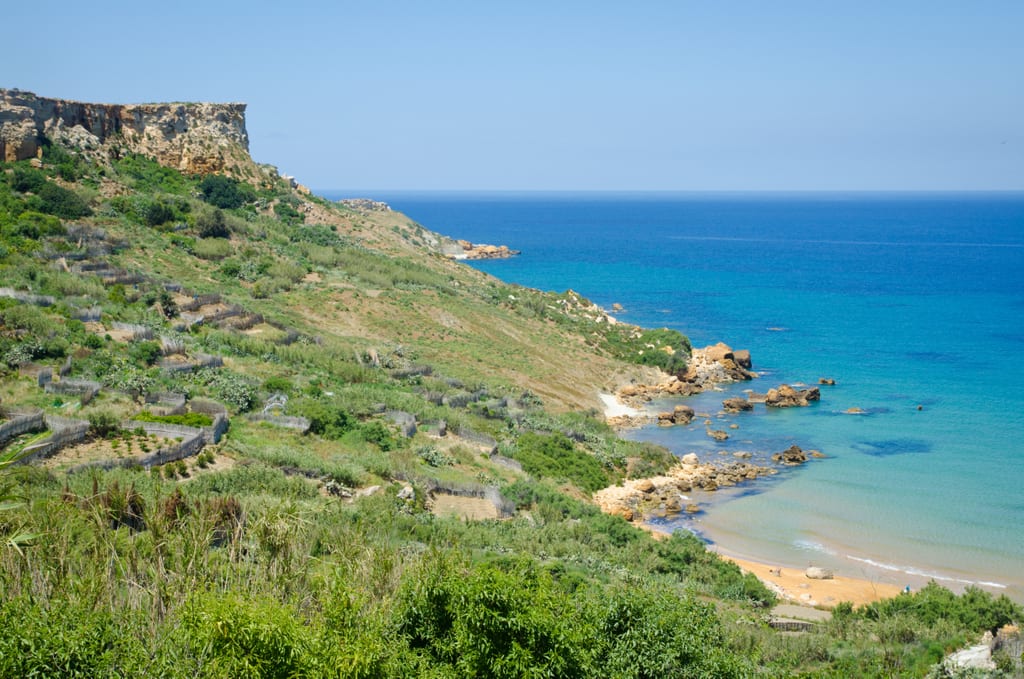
x: 690, y: 459
x: 816, y: 573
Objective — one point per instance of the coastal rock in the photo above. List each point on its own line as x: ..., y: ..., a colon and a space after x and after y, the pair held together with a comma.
x: 785, y: 396
x: 665, y: 493
x: 790, y: 456
x: 737, y: 404
x: 716, y: 364
x: 470, y: 250
x: 816, y: 573
x: 717, y: 434
x: 827, y: 381
x: 681, y: 414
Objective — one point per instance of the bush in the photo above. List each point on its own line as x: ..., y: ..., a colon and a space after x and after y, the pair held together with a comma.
x: 56, y: 200
x: 225, y: 192
x: 155, y: 213
x: 144, y: 353
x: 556, y: 456
x: 102, y: 423
x: 26, y: 179
x: 211, y: 224
x: 247, y: 637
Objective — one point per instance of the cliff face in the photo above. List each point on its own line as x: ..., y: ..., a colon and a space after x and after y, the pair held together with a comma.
x: 195, y: 138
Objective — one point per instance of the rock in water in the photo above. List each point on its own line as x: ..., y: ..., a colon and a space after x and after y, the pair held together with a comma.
x: 792, y: 455
x: 737, y: 404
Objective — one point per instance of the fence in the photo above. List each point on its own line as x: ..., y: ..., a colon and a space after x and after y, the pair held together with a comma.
x: 478, y: 438
x: 300, y: 424
x: 27, y: 297
x: 405, y: 421
x: 65, y: 433
x: 506, y: 508
x: 170, y: 453
x: 166, y: 403
x: 199, y: 301
x: 90, y: 314
x: 139, y: 332
x: 20, y: 424
x: 84, y: 389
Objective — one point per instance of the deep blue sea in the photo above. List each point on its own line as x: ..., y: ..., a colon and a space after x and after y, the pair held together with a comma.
x: 913, y: 303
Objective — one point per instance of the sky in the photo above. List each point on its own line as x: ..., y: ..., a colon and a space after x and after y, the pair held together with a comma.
x: 565, y: 95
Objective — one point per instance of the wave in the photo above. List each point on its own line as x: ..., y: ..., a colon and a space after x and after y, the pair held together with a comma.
x: 811, y: 546
x: 911, y: 570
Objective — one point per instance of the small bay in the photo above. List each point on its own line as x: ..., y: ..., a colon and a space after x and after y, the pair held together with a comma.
x: 913, y: 303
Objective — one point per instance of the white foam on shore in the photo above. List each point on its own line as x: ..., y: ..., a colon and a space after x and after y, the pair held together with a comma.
x: 910, y: 570
x: 613, y: 408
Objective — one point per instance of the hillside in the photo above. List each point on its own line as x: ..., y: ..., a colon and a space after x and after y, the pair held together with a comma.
x: 266, y: 434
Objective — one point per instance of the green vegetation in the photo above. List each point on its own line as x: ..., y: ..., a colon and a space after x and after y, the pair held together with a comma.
x: 278, y: 553
x: 185, y: 420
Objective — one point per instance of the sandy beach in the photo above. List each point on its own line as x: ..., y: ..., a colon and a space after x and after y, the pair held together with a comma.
x: 791, y: 584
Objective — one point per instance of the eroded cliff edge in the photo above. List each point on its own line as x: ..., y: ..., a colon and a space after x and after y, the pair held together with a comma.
x: 196, y: 138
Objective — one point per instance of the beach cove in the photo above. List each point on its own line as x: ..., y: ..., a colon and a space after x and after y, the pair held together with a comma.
x: 910, y: 302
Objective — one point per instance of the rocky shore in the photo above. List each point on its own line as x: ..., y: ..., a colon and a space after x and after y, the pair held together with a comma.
x: 634, y: 499
x: 482, y: 251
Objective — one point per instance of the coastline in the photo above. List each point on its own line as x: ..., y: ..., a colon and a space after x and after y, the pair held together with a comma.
x: 789, y: 582
x: 792, y: 585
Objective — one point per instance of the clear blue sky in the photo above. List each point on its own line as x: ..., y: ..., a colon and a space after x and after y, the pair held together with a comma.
x: 567, y: 95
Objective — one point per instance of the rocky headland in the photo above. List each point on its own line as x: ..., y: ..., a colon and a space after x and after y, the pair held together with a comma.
x: 196, y: 138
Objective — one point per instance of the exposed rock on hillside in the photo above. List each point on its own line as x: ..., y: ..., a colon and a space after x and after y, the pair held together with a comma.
x: 197, y: 138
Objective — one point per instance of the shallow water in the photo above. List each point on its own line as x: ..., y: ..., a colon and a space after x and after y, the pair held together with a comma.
x: 913, y: 303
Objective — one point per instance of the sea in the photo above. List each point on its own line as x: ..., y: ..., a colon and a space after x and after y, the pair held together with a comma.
x: 912, y: 303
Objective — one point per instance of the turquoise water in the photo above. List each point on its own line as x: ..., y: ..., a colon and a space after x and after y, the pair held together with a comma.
x: 914, y: 304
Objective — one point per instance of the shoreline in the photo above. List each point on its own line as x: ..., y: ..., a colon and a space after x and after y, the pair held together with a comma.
x: 792, y: 585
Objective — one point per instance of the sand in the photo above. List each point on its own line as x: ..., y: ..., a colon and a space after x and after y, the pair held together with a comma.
x: 613, y: 408
x: 792, y: 585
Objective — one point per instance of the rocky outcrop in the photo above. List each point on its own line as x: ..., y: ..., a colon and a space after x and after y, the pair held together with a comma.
x: 790, y: 456
x: 719, y: 363
x: 197, y: 138
x: 736, y: 404
x: 681, y: 414
x: 707, y: 367
x: 482, y: 251
x: 633, y: 499
x: 785, y: 396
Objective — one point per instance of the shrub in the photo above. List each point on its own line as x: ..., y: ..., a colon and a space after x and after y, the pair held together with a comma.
x: 102, y: 423
x: 225, y: 192
x: 155, y: 213
x: 145, y: 353
x: 556, y: 456
x: 56, y: 200
x: 26, y: 179
x: 211, y: 224
x: 247, y: 637
x: 213, y: 248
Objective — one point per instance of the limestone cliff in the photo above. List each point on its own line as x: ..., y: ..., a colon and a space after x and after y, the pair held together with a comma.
x: 197, y: 138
